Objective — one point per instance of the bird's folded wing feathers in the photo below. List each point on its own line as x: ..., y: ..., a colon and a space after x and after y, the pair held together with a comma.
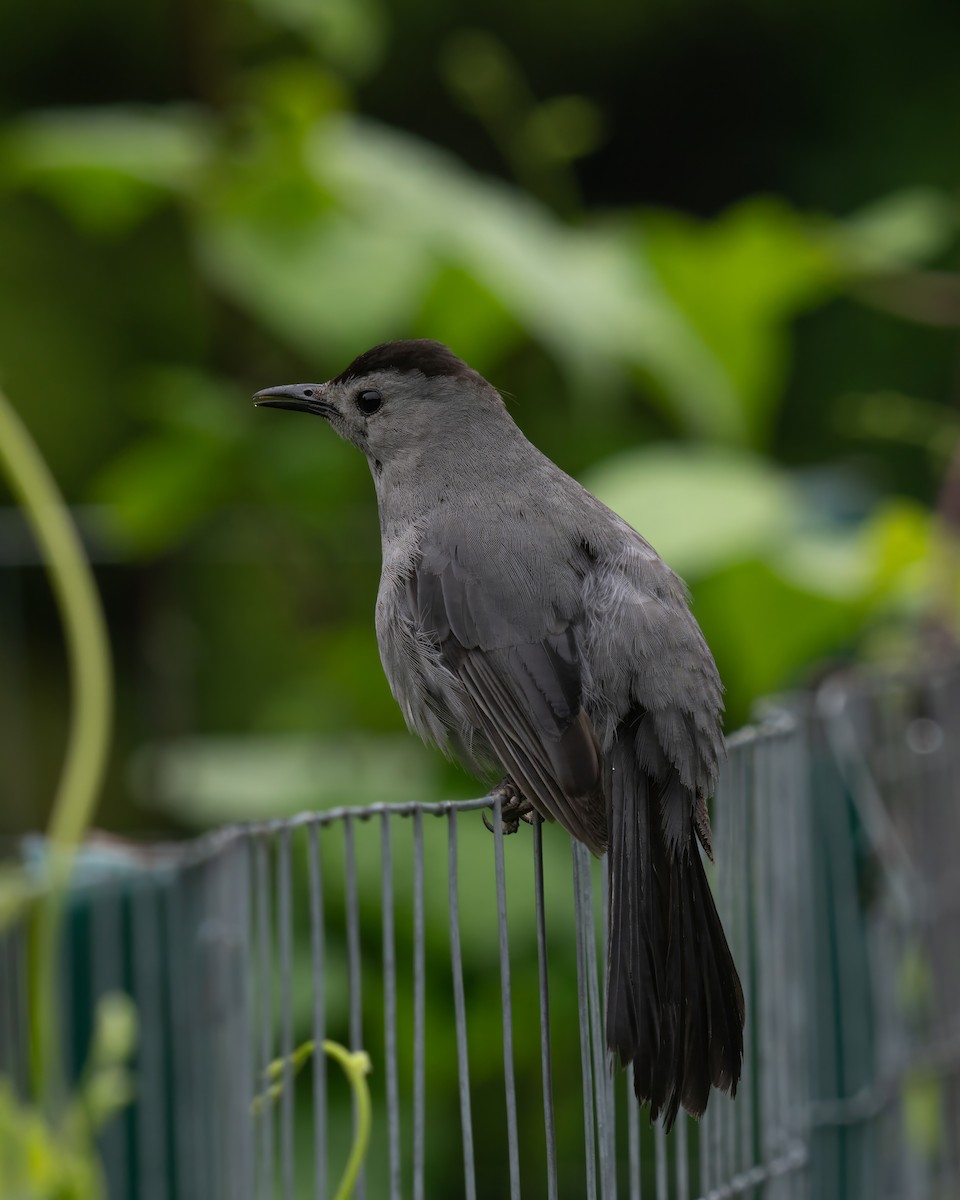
x: 524, y: 685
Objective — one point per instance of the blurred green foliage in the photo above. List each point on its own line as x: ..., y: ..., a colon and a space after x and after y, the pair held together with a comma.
x: 171, y: 248
x: 43, y: 1159
x: 162, y: 261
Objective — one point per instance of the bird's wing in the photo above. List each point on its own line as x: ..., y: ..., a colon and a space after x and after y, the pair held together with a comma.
x: 522, y: 678
x: 655, y: 677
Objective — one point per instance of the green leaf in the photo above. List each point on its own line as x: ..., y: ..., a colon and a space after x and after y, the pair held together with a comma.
x: 108, y: 168
x: 882, y: 562
x: 765, y: 630
x: 107, y: 1092
x: 896, y: 232
x: 702, y: 507
x: 923, y: 1112
x: 349, y: 33
x: 562, y: 129
x: 899, y: 537
x: 330, y: 281
x: 160, y: 487
x: 461, y: 312
x: 738, y: 279
x: 115, y: 1032
x: 157, y: 491
x: 40, y: 1162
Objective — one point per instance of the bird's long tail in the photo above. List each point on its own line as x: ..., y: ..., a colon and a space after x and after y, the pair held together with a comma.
x: 674, y: 1001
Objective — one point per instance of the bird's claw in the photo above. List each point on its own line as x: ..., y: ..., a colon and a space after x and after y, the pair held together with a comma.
x: 514, y: 808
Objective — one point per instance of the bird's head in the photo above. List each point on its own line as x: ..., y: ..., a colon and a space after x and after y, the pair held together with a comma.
x: 394, y: 399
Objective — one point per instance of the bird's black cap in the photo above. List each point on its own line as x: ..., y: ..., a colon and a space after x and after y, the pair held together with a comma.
x: 417, y: 354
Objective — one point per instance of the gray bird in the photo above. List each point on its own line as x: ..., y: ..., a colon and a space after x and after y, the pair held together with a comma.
x: 526, y: 628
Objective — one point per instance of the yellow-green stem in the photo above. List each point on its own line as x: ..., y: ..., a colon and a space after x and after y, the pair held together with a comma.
x: 91, y: 694
x: 356, y: 1065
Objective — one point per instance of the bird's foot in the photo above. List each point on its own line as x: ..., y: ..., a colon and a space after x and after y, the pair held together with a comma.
x: 514, y: 807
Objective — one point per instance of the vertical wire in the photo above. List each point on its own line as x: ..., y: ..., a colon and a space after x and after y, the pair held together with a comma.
x: 390, y: 1005
x: 708, y: 1142
x: 147, y: 983
x: 800, y: 873
x: 246, y: 1087
x: 208, y: 979
x: 584, y: 929
x: 285, y: 920
x: 793, y: 948
x: 633, y: 1137
x: 179, y: 957
x: 773, y: 783
x: 317, y: 957
x: 265, y: 956
x: 725, y: 1160
x: 681, y: 1164
x: 213, y: 943
x: 738, y: 821
x: 605, y: 1060
x: 200, y: 934
x: 353, y: 962
x: 704, y: 1141
x: 660, y: 1159
x: 220, y: 1002
x: 803, y: 925
x: 463, y: 1067
x: 419, y: 1005
x: 227, y: 1020
x: 205, y: 937
x: 604, y: 1139
x: 760, y: 874
x: 513, y: 1148
x: 68, y: 986
x: 546, y: 1061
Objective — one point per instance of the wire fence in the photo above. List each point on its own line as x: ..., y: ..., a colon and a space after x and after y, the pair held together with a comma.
x: 469, y: 966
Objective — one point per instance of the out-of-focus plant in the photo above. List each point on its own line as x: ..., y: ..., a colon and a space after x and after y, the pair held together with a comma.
x: 539, y: 140
x: 44, y: 1153
x: 84, y: 628
x: 356, y: 1066
x: 42, y: 1160
x: 90, y: 679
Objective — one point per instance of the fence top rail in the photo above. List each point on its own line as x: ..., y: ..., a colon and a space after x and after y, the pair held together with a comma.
x: 105, y: 861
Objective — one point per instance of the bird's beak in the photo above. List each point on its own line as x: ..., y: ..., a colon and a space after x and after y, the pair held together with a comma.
x: 297, y: 397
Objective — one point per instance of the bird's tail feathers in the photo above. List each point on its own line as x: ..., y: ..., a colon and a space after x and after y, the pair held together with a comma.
x: 674, y: 1002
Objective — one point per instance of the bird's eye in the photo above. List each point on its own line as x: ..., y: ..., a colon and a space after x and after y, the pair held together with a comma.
x: 369, y: 401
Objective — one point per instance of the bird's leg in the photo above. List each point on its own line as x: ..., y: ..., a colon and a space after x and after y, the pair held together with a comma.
x: 514, y: 807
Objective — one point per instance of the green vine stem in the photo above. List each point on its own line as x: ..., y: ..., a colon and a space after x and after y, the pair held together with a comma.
x: 90, y: 709
x: 356, y: 1067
